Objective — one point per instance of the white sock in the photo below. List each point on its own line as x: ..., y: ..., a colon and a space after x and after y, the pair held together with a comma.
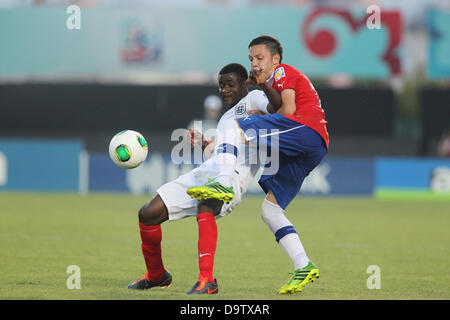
x: 226, y: 150
x: 285, y: 233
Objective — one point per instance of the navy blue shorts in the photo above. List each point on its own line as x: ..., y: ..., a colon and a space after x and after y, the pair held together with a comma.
x: 300, y: 149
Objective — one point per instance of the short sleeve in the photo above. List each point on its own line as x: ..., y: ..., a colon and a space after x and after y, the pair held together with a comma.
x: 285, y: 78
x: 258, y: 100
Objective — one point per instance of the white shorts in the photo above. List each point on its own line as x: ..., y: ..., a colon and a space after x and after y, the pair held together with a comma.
x: 180, y: 205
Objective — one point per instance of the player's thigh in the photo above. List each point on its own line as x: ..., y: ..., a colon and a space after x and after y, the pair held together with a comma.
x: 178, y: 203
x: 285, y: 183
x: 210, y: 205
x: 276, y: 134
x: 271, y: 197
x: 288, y: 179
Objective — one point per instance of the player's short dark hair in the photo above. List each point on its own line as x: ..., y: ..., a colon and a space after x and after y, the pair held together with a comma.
x: 236, y: 68
x: 272, y: 43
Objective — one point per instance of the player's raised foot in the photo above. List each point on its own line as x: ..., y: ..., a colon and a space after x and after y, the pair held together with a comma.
x: 203, y: 286
x: 299, y: 278
x: 214, y: 190
x: 144, y: 283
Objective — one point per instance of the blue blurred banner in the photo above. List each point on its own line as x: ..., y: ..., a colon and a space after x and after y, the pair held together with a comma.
x: 411, y: 174
x: 40, y: 165
x: 44, y: 165
x: 341, y: 176
x: 439, y: 44
x: 112, y: 42
x: 158, y: 169
x: 335, y: 176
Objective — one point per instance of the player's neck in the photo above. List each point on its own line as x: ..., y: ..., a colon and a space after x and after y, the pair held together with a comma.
x: 237, y: 101
x: 274, y: 68
x: 270, y: 76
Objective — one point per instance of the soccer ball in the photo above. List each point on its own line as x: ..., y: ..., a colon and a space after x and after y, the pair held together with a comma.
x: 128, y: 149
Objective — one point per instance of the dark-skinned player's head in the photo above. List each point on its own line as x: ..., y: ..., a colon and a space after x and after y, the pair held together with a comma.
x: 265, y: 52
x: 232, y: 83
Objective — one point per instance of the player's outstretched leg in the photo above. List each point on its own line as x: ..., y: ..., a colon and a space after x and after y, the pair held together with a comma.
x: 226, y: 151
x: 151, y: 215
x: 286, y: 236
x: 214, y: 190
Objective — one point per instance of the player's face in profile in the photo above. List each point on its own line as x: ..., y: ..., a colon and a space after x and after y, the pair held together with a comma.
x: 261, y: 57
x: 231, y: 88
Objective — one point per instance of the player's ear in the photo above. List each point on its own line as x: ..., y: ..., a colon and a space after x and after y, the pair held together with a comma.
x: 276, y: 59
x: 245, y: 84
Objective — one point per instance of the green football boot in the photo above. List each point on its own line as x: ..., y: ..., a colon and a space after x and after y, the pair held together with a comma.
x: 214, y: 190
x: 299, y: 278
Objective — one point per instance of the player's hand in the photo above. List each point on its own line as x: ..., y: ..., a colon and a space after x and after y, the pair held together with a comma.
x: 256, y: 77
x: 196, y: 138
x: 209, y: 149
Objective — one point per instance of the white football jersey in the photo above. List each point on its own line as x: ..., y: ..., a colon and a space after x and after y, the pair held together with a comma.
x: 247, y: 165
x: 180, y: 205
x: 254, y: 100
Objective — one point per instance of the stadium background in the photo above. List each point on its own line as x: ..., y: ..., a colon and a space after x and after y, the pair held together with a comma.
x: 148, y: 66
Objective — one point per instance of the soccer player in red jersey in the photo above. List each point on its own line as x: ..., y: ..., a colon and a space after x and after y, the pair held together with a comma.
x: 297, y: 131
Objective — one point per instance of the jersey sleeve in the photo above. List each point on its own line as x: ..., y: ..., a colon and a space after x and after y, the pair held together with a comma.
x: 285, y: 78
x: 258, y: 101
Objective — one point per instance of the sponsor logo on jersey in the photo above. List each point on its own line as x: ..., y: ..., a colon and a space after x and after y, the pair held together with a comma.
x: 279, y: 73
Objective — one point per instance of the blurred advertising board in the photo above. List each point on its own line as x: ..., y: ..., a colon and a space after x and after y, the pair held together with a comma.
x: 36, y: 42
x: 335, y: 176
x: 416, y: 177
x: 63, y: 166
x: 43, y: 165
x: 439, y: 44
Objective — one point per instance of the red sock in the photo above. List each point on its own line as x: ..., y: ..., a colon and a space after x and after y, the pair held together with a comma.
x: 151, y: 249
x: 207, y: 241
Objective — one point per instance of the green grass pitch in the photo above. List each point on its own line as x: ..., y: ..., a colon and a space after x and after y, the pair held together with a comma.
x: 42, y: 234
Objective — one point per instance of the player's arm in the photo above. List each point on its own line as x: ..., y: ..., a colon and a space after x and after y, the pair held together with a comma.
x: 273, y: 96
x: 256, y: 78
x: 209, y: 149
x: 288, y: 106
x: 258, y: 103
x: 196, y: 138
x: 270, y: 108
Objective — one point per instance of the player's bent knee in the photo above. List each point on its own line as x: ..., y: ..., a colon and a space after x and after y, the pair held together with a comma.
x: 264, y: 214
x: 144, y: 214
x: 269, y: 210
x: 153, y: 212
x: 210, y: 205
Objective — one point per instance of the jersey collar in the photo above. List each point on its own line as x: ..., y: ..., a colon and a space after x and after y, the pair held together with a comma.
x: 271, y: 78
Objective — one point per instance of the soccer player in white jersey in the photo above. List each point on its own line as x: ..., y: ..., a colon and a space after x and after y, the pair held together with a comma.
x: 173, y: 203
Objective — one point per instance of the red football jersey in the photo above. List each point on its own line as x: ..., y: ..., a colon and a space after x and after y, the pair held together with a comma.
x: 309, y: 111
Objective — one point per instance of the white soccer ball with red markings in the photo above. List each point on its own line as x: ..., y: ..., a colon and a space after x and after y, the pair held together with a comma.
x: 128, y: 149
